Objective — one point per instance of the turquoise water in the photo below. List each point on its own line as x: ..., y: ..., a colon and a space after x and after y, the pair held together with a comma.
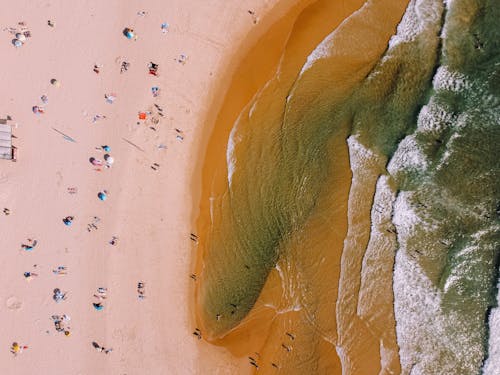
x: 415, y: 132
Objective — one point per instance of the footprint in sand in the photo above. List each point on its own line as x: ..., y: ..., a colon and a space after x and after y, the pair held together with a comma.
x: 13, y: 303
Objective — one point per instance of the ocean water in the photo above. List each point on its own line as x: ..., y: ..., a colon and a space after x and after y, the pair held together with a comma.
x: 360, y: 204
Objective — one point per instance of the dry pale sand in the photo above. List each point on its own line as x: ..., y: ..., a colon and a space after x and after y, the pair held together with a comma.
x: 149, y: 210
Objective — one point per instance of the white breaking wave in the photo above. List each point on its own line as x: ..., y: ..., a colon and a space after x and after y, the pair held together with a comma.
x: 379, y: 251
x: 447, y: 80
x: 430, y: 341
x: 405, y: 218
x: 324, y: 49
x: 360, y: 156
x: 492, y: 364
x: 321, y: 51
x: 408, y: 156
x: 433, y: 119
x: 419, y: 16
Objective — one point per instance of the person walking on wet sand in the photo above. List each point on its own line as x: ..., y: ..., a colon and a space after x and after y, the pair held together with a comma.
x: 197, y: 333
x: 194, y: 237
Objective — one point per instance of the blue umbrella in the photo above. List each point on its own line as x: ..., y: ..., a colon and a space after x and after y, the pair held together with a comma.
x: 128, y: 32
x: 102, y: 196
x: 98, y: 306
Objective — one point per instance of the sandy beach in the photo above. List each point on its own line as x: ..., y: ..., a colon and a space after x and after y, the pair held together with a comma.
x: 140, y: 233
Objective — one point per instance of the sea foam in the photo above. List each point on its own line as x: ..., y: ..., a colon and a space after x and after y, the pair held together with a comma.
x: 419, y: 15
x: 492, y: 363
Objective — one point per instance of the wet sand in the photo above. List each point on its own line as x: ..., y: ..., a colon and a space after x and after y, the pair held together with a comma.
x: 277, y: 311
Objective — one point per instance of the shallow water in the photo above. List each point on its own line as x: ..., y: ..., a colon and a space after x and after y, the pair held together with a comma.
x: 355, y: 226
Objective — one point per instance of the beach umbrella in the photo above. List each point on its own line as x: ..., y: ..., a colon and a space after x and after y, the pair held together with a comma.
x: 17, y: 43
x: 128, y: 32
x: 106, y: 148
x: 55, y: 82
x: 98, y: 306
x: 102, y: 196
x: 20, y: 37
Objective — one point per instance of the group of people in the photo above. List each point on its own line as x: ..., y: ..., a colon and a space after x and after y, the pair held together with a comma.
x: 100, y: 296
x: 61, y: 322
x: 141, y: 290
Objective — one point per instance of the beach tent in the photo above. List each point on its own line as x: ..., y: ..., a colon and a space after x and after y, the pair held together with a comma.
x: 5, y: 142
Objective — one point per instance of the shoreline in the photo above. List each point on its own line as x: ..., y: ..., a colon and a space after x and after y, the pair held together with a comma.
x: 243, y: 339
x: 273, y: 27
x: 302, y: 43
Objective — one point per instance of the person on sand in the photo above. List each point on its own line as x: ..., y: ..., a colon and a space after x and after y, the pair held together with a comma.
x: 100, y: 348
x: 61, y: 270
x: 95, y: 162
x: 17, y: 348
x: 6, y: 211
x: 197, y: 333
x: 194, y: 237
x: 38, y: 110
x: 141, y: 290
x: 59, y: 295
x: 124, y: 66
x: 110, y: 98
x: 29, y: 275
x: 153, y: 68
x: 113, y: 241
x: 31, y: 244
x: 100, y: 297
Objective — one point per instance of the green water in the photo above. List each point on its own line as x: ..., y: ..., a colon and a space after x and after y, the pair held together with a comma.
x: 428, y: 108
